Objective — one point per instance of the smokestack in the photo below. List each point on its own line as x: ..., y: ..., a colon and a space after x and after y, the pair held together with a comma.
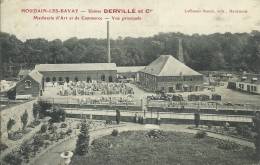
x: 180, y: 52
x: 108, y: 44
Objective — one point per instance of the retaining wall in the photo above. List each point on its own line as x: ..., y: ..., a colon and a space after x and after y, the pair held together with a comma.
x: 15, y: 112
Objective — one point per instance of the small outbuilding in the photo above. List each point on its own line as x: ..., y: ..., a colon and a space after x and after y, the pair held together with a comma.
x: 30, y: 85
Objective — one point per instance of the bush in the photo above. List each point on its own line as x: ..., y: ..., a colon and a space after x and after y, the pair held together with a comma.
x: 10, y: 124
x: 69, y: 131
x: 43, y: 107
x: 52, y: 129
x: 62, y: 135
x: 36, y: 122
x: 24, y: 119
x: 38, y: 141
x: 228, y: 145
x: 43, y: 128
x: 36, y: 109
x: 31, y: 126
x: 13, y: 159
x: 46, y: 136
x: 82, y: 145
x: 118, y: 116
x: 156, y: 134
x: 3, y: 146
x: 25, y: 149
x: 200, y: 134
x: 63, y: 125
x: 57, y: 114
x: 25, y: 131
x: 115, y: 132
x: 101, y: 144
x: 15, y: 135
x: 244, y: 130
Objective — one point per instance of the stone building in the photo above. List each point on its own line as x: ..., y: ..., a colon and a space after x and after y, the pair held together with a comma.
x: 31, y: 84
x: 78, y: 72
x: 170, y: 75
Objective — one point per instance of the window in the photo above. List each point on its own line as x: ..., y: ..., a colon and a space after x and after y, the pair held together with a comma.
x: 248, y: 88
x: 54, y: 79
x: 255, y: 88
x: 89, y: 79
x: 178, y: 86
x: 60, y: 79
x: 47, y: 79
x: 76, y: 79
x: 170, y: 89
x: 67, y: 79
x: 103, y: 78
x: 110, y: 79
x: 28, y: 84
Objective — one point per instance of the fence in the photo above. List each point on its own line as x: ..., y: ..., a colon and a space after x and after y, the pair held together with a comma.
x: 152, y: 116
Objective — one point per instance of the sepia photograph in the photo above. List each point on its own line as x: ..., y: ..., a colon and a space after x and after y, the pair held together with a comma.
x: 129, y: 82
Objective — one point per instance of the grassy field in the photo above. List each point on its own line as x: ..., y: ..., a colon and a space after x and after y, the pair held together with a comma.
x: 130, y: 148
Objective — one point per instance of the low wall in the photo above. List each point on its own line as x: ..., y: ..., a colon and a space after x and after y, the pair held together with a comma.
x: 202, y: 110
x: 15, y: 112
x: 149, y: 120
x: 102, y: 107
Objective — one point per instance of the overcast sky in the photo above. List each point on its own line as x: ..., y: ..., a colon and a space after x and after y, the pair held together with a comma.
x: 167, y: 16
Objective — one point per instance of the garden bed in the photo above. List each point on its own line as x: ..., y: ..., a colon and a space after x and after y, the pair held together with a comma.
x: 142, y: 147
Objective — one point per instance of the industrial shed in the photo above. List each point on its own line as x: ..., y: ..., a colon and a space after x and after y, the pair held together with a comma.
x: 78, y: 72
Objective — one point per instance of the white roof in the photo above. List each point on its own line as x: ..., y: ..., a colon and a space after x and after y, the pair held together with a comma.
x: 167, y: 65
x: 75, y: 67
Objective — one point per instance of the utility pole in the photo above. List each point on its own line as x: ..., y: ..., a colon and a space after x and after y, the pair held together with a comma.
x: 108, y: 44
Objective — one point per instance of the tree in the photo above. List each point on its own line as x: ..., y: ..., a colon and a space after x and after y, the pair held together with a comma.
x: 35, y: 111
x: 58, y: 114
x: 82, y: 146
x: 11, y: 93
x: 43, y: 128
x: 10, y: 124
x: 44, y: 106
x: 117, y: 116
x: 24, y: 119
x: 25, y: 149
x: 257, y: 140
x: 197, y: 119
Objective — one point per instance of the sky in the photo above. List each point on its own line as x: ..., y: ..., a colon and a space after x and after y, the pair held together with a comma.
x: 165, y: 16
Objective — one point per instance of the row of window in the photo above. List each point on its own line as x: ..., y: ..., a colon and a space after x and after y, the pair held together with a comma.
x: 76, y: 79
x: 171, y: 78
x: 248, y: 87
x: 174, y: 78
